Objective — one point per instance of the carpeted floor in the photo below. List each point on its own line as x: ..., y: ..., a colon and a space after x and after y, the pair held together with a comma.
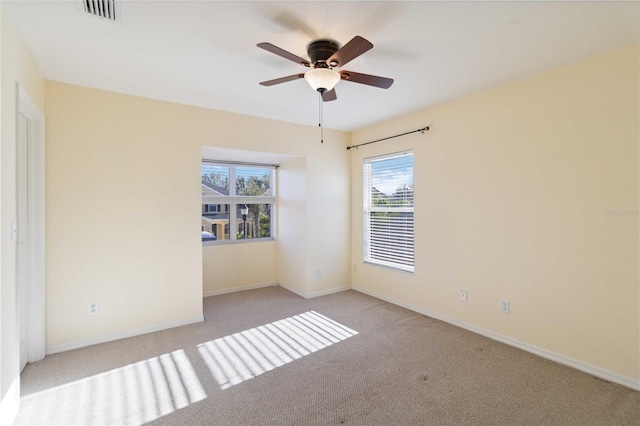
x: 270, y: 357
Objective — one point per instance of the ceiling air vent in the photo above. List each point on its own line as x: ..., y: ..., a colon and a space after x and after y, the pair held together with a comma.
x: 105, y: 9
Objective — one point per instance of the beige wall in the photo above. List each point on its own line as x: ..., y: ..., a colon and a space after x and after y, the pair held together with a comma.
x: 17, y: 67
x: 123, y: 211
x: 293, y: 229
x: 512, y: 186
x: 119, y: 220
x: 231, y: 267
x: 325, y: 226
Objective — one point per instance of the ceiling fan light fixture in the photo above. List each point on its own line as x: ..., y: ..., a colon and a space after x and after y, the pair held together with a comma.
x: 322, y: 79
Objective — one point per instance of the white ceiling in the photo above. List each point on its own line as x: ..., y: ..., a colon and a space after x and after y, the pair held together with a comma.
x: 204, y: 53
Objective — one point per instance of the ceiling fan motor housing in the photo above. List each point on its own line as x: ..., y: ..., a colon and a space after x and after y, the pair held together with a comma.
x: 321, y: 50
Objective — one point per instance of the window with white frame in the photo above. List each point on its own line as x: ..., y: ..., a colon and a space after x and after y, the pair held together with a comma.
x: 237, y: 202
x: 388, y: 210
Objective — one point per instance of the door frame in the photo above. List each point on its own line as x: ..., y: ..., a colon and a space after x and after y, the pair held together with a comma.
x: 36, y: 328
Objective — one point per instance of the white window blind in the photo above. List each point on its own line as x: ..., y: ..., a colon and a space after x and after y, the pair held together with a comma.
x: 388, y: 210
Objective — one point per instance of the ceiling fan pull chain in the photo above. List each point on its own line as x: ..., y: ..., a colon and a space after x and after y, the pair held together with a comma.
x: 321, y: 118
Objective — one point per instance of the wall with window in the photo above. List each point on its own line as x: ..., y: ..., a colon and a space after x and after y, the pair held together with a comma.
x: 230, y: 267
x: 529, y: 193
x: 124, y: 212
x: 311, y: 221
x: 246, y: 195
x: 18, y: 66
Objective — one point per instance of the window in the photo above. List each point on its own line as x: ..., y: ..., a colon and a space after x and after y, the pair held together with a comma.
x: 237, y: 202
x: 214, y: 208
x: 388, y: 210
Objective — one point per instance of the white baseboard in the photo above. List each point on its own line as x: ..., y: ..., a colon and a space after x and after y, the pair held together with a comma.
x: 329, y: 291
x: 293, y: 290
x: 235, y: 289
x: 10, y: 403
x: 315, y: 293
x: 602, y: 373
x: 117, y: 336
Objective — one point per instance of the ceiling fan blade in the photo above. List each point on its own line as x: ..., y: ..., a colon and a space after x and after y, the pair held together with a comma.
x: 329, y: 95
x: 369, y: 80
x: 356, y: 47
x: 282, y: 80
x: 283, y: 53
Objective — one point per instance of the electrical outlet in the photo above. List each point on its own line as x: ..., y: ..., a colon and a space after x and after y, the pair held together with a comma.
x: 93, y: 308
x: 505, y: 306
x: 318, y: 272
x: 463, y: 295
x: 355, y: 269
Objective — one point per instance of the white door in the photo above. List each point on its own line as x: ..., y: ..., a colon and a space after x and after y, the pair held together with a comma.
x: 23, y: 253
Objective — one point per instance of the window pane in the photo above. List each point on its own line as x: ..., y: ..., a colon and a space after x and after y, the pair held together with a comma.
x: 254, y: 221
x: 215, y: 179
x: 254, y: 181
x: 392, y: 182
x: 215, y: 222
x: 388, y: 210
x: 225, y: 190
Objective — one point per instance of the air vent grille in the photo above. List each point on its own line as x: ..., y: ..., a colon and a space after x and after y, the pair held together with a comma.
x: 105, y: 9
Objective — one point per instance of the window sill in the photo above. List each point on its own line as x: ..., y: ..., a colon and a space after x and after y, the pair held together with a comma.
x: 387, y: 266
x: 227, y: 242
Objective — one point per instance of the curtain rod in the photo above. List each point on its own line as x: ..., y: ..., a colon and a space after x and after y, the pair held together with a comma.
x: 424, y: 129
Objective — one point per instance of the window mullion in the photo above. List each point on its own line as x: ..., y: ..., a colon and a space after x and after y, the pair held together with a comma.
x: 240, y: 199
x: 233, y: 206
x: 232, y: 181
x: 233, y: 225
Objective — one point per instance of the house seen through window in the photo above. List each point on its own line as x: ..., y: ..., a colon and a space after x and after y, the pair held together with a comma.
x: 388, y: 210
x: 237, y: 202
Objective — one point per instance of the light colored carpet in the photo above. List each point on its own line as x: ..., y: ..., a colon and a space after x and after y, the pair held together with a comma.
x: 269, y: 357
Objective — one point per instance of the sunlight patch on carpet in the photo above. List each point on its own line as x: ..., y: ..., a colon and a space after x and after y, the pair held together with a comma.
x: 242, y: 356
x: 133, y: 394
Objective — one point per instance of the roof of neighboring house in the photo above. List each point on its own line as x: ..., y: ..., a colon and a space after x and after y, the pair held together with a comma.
x: 211, y: 189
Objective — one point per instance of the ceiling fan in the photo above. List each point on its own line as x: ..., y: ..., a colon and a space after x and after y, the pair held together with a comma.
x: 325, y: 55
